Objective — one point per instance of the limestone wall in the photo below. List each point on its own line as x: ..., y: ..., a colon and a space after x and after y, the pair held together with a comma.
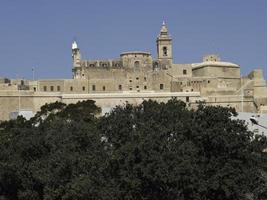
x: 23, y: 100
x: 217, y: 71
x: 32, y: 101
x: 136, y: 60
x: 180, y: 70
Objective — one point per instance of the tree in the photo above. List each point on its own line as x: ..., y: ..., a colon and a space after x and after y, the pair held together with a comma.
x: 150, y: 151
x: 165, y: 151
x: 56, y: 155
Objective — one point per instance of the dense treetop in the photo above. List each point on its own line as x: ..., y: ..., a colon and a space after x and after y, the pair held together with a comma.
x: 150, y: 151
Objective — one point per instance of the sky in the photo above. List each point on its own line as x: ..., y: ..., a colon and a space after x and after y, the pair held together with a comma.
x: 38, y: 33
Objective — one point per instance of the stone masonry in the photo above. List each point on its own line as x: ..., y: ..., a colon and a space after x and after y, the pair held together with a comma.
x: 136, y: 76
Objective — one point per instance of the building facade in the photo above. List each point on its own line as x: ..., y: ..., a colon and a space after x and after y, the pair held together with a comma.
x: 136, y: 76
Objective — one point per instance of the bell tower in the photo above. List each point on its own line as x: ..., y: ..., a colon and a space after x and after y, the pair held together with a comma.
x: 164, y: 45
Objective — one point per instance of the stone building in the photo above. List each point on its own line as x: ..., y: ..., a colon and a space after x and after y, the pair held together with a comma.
x: 136, y: 76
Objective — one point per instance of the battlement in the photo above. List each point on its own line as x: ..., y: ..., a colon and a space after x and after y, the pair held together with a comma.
x: 101, y: 63
x: 127, y: 59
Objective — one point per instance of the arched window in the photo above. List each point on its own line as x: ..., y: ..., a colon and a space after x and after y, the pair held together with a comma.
x: 165, y: 51
x: 136, y: 64
x: 104, y: 64
x: 120, y: 87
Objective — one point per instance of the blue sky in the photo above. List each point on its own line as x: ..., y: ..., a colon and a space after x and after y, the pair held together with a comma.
x: 38, y: 33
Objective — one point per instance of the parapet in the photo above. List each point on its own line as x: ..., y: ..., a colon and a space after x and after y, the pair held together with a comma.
x: 136, y: 53
x: 101, y: 63
x: 211, y: 58
x: 256, y: 74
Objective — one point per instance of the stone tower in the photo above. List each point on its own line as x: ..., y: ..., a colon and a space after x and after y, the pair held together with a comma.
x: 76, y: 59
x: 76, y: 56
x: 164, y: 46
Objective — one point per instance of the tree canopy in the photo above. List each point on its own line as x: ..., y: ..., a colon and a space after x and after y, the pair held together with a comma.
x: 150, y: 151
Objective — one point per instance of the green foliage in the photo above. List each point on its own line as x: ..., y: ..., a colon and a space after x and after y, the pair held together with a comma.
x: 151, y: 151
x: 52, y: 155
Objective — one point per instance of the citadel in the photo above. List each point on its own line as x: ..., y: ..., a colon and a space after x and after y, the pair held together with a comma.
x: 136, y: 76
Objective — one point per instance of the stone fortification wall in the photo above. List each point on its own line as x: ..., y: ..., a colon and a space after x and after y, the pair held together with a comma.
x: 32, y: 101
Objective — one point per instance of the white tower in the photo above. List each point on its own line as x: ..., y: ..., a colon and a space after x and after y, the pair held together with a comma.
x: 76, y: 56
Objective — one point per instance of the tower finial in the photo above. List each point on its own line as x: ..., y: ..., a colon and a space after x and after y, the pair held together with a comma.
x: 163, y: 29
x: 74, y: 45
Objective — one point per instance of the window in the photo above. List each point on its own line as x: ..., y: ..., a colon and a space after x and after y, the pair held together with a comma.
x: 208, y: 81
x: 71, y: 88
x: 93, y: 87
x: 34, y: 89
x: 187, y: 99
x: 144, y: 78
x: 120, y: 87
x: 83, y: 88
x: 58, y: 88
x: 130, y: 81
x: 192, y: 90
x: 137, y: 86
x: 136, y: 64
x: 184, y: 71
x: 51, y: 88
x: 165, y: 51
x: 131, y: 88
x: 104, y: 88
x: 145, y: 87
x: 161, y: 86
x: 45, y: 88
x: 137, y: 78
